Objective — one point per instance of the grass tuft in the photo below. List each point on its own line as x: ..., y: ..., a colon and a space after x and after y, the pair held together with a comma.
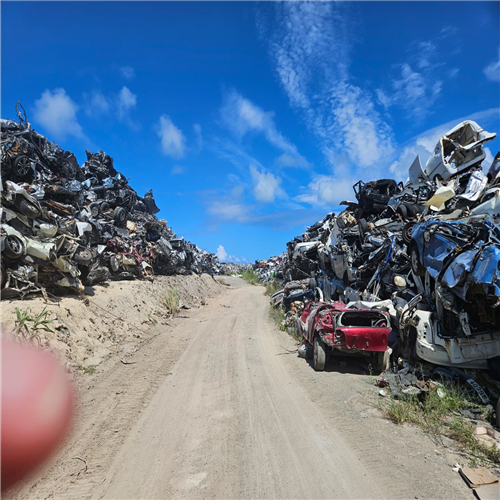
x: 170, y: 301
x: 278, y: 316
x: 272, y: 287
x: 250, y: 276
x: 437, y: 412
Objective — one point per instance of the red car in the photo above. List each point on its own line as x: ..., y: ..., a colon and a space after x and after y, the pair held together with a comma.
x: 330, y: 327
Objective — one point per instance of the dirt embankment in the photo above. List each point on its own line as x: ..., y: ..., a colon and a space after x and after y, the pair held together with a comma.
x: 111, y: 320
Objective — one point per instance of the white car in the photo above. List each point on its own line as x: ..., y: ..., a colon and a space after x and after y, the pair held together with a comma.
x: 458, y: 150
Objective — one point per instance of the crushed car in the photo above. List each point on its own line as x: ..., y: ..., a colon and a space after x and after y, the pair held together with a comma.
x: 347, y: 329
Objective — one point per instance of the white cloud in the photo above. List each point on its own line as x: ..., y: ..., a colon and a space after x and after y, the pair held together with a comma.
x: 223, y: 256
x: 96, y: 104
x: 417, y: 83
x: 173, y: 142
x: 177, y: 169
x: 426, y: 51
x: 127, y: 72
x: 126, y: 101
x: 266, y: 185
x: 288, y: 160
x: 221, y: 253
x: 309, y: 43
x: 228, y: 210
x: 56, y: 112
x: 327, y: 191
x: 492, y: 71
x: 363, y: 135
x: 199, y: 136
x: 233, y: 153
x: 414, y: 91
x: 121, y: 104
x: 241, y: 116
x: 302, y: 34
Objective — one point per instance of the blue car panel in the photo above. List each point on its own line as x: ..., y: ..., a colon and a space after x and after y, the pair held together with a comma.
x: 441, y: 248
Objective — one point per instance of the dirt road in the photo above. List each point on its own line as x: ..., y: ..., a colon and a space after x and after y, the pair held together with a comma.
x: 216, y: 406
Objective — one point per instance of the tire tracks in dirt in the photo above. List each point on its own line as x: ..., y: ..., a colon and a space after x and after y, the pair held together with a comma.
x: 209, y: 410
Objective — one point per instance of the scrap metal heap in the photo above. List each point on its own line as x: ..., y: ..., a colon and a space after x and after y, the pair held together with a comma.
x: 426, y: 251
x: 63, y: 225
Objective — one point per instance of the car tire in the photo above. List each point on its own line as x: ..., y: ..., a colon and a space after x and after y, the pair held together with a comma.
x: 114, y: 264
x: 319, y: 356
x: 14, y: 247
x: 29, y: 209
x: 406, y: 232
x: 95, y: 209
x: 416, y: 266
x: 380, y: 361
x: 3, y: 276
x: 21, y: 166
x: 104, y: 206
x: 402, y: 210
x: 120, y: 216
x: 83, y: 256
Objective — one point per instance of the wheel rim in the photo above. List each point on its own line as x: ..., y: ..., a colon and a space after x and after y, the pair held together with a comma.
x: 23, y: 166
x: 15, y: 245
x: 407, y: 231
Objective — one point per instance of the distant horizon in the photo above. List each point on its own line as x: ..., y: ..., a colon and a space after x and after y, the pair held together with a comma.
x: 251, y: 121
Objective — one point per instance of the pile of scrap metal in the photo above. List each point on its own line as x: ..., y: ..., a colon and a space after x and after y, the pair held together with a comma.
x: 232, y: 268
x: 270, y: 269
x: 66, y: 226
x: 426, y: 251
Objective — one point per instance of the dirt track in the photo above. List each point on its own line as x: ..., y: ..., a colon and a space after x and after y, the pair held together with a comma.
x: 216, y: 406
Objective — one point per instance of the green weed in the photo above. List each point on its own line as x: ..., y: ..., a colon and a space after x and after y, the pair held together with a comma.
x: 250, y: 276
x: 482, y: 454
x: 272, y: 287
x: 433, y: 412
x: 28, y: 325
x: 89, y: 370
x: 278, y: 316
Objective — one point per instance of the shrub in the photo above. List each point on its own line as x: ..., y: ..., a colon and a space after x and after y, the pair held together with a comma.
x: 170, y: 301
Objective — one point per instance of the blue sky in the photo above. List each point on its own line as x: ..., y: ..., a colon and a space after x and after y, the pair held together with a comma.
x: 252, y: 120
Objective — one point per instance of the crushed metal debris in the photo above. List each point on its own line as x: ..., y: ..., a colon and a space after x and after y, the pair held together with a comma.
x: 424, y: 253
x: 66, y: 226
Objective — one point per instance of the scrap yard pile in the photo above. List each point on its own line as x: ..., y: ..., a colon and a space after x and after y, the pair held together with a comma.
x: 67, y: 226
x: 424, y: 254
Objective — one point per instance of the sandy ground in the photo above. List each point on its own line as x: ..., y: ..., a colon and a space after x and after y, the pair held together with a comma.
x: 216, y: 406
x: 109, y: 320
